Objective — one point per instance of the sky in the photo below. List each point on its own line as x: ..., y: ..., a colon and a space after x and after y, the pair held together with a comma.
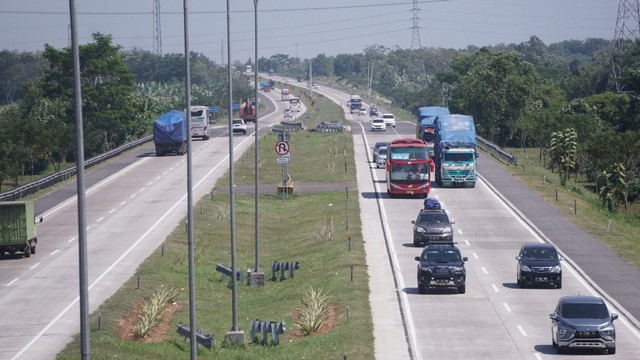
x: 305, y: 28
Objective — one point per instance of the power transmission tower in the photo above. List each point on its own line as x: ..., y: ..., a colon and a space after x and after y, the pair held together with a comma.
x: 157, y: 31
x: 627, y: 33
x: 415, y: 38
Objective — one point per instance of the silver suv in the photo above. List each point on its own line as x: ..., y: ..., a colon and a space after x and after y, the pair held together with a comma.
x: 583, y: 322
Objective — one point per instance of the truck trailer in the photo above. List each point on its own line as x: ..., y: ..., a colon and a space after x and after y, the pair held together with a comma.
x: 17, y: 228
x: 425, y: 128
x: 455, y: 151
x: 170, y: 133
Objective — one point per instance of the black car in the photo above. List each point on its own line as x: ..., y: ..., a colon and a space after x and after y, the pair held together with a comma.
x: 432, y: 226
x: 539, y: 264
x: 373, y: 111
x: 441, y: 266
x: 583, y: 322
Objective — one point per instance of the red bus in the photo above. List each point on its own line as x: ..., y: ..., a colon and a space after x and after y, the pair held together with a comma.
x: 408, y: 167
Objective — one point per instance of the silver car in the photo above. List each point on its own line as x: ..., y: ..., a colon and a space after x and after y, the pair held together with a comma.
x: 381, y: 157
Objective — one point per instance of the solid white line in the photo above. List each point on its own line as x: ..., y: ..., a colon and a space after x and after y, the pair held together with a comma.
x: 522, y: 331
x: 12, y: 281
x: 34, y: 266
x: 506, y: 306
x: 115, y: 263
x: 484, y: 270
x: 54, y: 252
x: 495, y: 288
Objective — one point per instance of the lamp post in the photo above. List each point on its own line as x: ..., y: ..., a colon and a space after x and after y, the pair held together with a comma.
x: 256, y: 277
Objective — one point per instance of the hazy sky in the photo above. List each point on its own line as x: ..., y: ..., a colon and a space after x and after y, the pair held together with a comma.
x: 305, y: 28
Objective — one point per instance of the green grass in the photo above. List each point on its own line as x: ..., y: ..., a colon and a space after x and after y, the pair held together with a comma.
x: 580, y: 205
x: 290, y: 230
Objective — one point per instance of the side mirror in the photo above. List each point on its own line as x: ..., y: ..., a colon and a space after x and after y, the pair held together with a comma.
x: 614, y: 316
x: 553, y: 316
x: 417, y: 258
x: 477, y: 154
x: 465, y: 259
x: 452, y: 221
x: 413, y: 222
x: 518, y: 258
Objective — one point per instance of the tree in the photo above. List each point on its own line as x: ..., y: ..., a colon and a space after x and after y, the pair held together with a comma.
x: 563, y: 147
x: 614, y: 187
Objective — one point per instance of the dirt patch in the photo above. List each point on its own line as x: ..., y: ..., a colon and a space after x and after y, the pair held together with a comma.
x: 125, y: 332
x: 332, y: 320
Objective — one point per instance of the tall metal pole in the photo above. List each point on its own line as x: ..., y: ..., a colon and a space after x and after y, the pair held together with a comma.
x: 255, y: 85
x: 193, y: 345
x: 234, y: 287
x: 82, y: 228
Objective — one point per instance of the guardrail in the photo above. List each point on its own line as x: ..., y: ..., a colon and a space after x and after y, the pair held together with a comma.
x: 35, y: 186
x: 496, y: 150
x: 333, y: 126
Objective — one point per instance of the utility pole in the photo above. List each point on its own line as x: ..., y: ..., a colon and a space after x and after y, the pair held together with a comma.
x: 157, y: 31
x: 415, y: 37
x: 626, y: 34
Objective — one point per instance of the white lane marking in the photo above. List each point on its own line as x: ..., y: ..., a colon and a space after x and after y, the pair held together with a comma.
x: 73, y: 303
x: 72, y: 239
x: 467, y: 242
x: 142, y: 189
x: 522, y: 331
x: 460, y: 231
x: 506, y: 306
x: 538, y: 356
x: 111, y: 211
x: 132, y: 196
x: 495, y: 288
x: 54, y: 252
x: 484, y: 270
x: 88, y: 227
x: 34, y: 266
x: 150, y: 183
x: 12, y: 281
x: 475, y: 256
x: 124, y: 202
x: 413, y: 339
x: 165, y: 173
x: 102, y: 218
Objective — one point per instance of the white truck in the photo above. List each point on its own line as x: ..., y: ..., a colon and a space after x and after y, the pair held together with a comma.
x: 285, y: 94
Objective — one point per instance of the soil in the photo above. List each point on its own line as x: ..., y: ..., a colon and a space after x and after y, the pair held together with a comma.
x: 332, y: 320
x: 157, y: 335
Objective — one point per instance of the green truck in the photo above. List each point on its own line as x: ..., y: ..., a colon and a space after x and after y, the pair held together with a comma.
x: 17, y: 228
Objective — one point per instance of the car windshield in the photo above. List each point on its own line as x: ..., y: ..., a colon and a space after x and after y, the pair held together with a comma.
x: 540, y: 254
x: 584, y: 311
x: 433, y: 219
x: 442, y: 255
x: 382, y: 151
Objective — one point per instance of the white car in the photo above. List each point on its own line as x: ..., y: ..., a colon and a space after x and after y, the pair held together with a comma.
x: 239, y: 126
x: 362, y: 111
x: 389, y: 119
x: 378, y: 124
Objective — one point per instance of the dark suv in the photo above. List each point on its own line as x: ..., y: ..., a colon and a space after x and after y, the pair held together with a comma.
x: 583, y: 322
x: 432, y: 225
x: 441, y: 266
x: 539, y: 264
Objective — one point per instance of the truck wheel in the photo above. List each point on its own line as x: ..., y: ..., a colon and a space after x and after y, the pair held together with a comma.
x: 27, y: 251
x: 33, y: 249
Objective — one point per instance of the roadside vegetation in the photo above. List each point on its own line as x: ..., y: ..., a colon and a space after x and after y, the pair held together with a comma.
x: 325, y: 305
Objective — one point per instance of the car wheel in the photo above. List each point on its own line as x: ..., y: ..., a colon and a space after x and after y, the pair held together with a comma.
x: 611, y: 350
x: 560, y: 349
x: 462, y: 289
x: 422, y: 289
x: 521, y: 284
x: 559, y: 284
x: 553, y: 342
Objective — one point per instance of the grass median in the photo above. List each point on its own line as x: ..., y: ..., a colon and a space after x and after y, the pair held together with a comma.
x: 318, y: 229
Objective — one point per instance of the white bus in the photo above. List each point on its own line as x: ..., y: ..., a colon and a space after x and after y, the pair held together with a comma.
x: 200, y: 122
x: 294, y: 104
x: 248, y: 69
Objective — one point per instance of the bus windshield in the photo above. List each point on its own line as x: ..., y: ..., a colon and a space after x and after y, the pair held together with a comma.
x: 409, y: 154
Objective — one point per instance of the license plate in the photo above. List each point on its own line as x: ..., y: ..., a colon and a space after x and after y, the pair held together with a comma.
x: 542, y: 279
x: 410, y: 192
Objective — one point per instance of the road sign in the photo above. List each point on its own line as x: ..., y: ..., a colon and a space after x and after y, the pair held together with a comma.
x: 282, y: 147
x: 213, y: 109
x: 282, y: 160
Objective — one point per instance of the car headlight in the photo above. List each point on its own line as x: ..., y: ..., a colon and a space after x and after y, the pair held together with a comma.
x: 608, y: 332
x: 525, y: 268
x: 420, y: 230
x: 562, y: 332
x: 556, y: 269
x: 447, y: 230
x: 457, y: 268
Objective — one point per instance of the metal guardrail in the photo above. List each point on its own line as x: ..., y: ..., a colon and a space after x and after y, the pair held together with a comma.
x: 496, y: 150
x: 333, y: 126
x: 35, y: 186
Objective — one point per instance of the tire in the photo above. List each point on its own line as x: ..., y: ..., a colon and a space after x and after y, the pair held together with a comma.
x: 421, y: 289
x: 559, y: 284
x: 611, y: 350
x: 554, y: 343
x: 462, y: 289
x: 27, y: 252
x: 559, y: 349
x: 33, y: 250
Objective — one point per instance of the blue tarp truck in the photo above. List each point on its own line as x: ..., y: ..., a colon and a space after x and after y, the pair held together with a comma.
x: 17, y: 228
x: 455, y: 151
x: 170, y: 133
x: 425, y: 127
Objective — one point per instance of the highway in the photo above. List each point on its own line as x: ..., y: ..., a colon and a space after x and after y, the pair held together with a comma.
x: 128, y: 215
x: 495, y: 319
